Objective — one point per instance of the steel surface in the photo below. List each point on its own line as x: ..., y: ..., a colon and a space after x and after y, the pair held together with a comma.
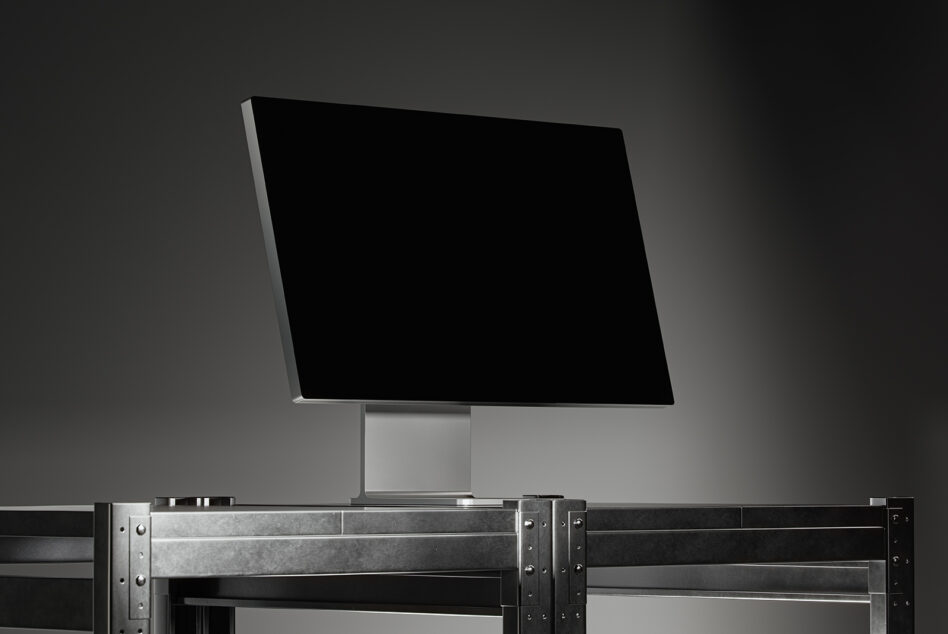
x: 245, y: 556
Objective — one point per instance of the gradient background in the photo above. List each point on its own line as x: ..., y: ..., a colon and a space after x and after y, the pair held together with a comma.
x: 790, y: 174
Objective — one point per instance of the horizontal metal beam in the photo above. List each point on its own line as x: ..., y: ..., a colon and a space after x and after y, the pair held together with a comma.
x: 48, y: 521
x: 16, y: 549
x: 441, y: 594
x: 286, y: 521
x: 48, y: 603
x: 656, y: 517
x: 611, y: 518
x: 811, y: 516
x: 247, y: 556
x: 733, y: 546
x: 848, y: 582
x: 730, y: 594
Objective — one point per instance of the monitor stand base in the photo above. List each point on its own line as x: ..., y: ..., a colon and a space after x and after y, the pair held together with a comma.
x: 380, y: 499
x: 417, y: 455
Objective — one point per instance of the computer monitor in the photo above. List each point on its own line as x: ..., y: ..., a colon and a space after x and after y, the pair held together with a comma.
x: 425, y: 262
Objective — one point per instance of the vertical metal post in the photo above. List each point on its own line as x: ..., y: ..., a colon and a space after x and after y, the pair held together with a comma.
x: 550, y: 582
x: 535, y: 565
x: 122, y: 575
x: 569, y: 565
x: 892, y: 582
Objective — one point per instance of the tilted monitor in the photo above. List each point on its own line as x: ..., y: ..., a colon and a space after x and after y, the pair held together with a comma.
x: 422, y: 257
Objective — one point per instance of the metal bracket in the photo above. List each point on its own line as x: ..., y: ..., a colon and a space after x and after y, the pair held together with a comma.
x: 122, y: 582
x: 569, y: 562
x: 534, y: 532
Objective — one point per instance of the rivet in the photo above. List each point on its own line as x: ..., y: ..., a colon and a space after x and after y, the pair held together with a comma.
x: 528, y: 523
x: 140, y: 529
x: 562, y: 616
x: 543, y: 616
x: 895, y: 518
x: 908, y: 603
x: 895, y: 560
x: 529, y: 570
x: 578, y: 568
x: 579, y: 615
x: 140, y: 580
x: 578, y: 522
x: 529, y: 617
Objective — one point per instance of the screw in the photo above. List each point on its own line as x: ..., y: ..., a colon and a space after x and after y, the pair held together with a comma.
x: 908, y: 603
x: 578, y: 522
x: 906, y: 519
x: 543, y: 616
x: 140, y: 529
x: 579, y: 615
x: 528, y: 523
x: 578, y: 569
x: 895, y: 560
x: 907, y: 561
x: 529, y: 617
x: 140, y: 580
x: 562, y: 571
x: 895, y: 518
x: 562, y: 616
x: 529, y: 570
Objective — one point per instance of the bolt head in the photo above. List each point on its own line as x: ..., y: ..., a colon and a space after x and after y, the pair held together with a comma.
x: 578, y: 522
x: 895, y: 560
x: 140, y: 580
x: 578, y: 568
x: 528, y: 523
x: 140, y: 529
x: 529, y: 570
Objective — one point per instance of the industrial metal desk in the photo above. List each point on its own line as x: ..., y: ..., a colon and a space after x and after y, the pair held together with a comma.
x: 161, y: 568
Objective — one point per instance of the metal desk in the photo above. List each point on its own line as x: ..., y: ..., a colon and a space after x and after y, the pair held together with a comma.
x: 531, y: 561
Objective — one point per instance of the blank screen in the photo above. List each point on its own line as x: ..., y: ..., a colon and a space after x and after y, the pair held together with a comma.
x: 429, y: 257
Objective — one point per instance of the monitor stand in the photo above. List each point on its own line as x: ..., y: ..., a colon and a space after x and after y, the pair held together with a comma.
x: 416, y: 455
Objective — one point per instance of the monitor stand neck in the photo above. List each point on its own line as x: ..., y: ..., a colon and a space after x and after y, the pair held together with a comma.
x: 416, y: 454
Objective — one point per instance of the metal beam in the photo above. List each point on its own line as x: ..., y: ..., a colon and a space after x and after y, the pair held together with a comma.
x: 474, y: 593
x: 846, y: 582
x: 45, y: 602
x: 48, y: 521
x: 727, y: 546
x: 17, y: 549
x: 246, y: 556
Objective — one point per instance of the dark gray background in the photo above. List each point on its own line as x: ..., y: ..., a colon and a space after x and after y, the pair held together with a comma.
x: 789, y: 168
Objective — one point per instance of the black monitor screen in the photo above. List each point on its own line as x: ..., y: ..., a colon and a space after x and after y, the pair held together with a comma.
x: 427, y: 257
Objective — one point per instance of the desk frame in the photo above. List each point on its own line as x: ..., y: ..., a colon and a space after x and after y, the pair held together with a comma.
x: 532, y: 561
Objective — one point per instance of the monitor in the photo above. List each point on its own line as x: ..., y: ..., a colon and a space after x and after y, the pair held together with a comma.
x: 438, y: 260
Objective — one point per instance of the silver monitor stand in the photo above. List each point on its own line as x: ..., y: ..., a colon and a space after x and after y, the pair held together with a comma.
x: 416, y: 455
